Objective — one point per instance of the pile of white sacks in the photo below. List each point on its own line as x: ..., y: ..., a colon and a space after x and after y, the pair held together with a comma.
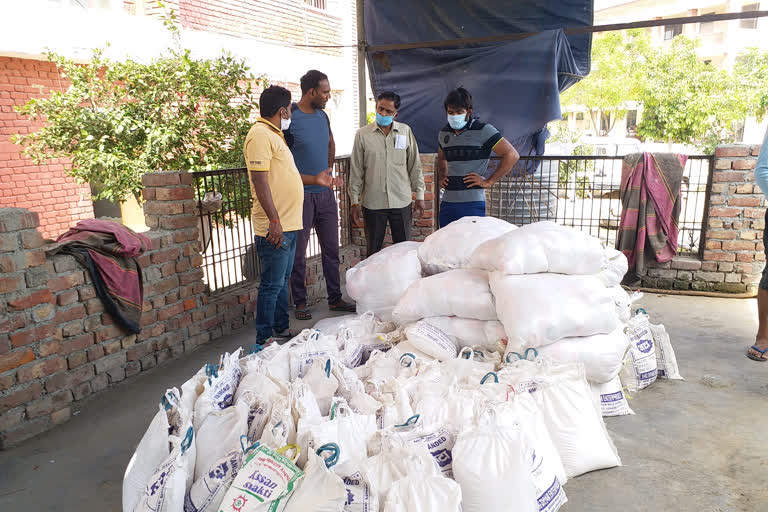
x: 477, y: 376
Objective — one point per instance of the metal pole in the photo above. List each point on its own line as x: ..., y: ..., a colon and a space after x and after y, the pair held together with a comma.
x: 361, y: 85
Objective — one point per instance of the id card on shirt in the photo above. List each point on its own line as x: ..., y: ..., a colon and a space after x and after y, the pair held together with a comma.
x: 401, y: 142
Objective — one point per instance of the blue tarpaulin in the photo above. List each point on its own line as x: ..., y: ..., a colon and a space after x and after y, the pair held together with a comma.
x: 515, y: 85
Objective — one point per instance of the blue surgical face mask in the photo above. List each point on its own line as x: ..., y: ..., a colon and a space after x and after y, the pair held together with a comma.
x: 383, y: 120
x: 458, y: 121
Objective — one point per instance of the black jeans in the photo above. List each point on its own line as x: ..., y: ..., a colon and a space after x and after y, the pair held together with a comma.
x: 376, y: 226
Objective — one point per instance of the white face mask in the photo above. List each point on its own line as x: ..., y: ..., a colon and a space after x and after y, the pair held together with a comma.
x: 285, y: 124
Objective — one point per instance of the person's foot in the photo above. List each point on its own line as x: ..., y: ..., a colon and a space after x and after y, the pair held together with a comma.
x: 284, y: 335
x: 343, y: 306
x: 303, y: 312
x: 758, y: 351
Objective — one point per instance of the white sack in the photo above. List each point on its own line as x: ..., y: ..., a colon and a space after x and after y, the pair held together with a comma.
x: 466, y: 332
x: 575, y: 422
x: 427, y: 494
x: 615, y: 267
x: 640, y: 370
x: 361, y: 496
x: 167, y: 487
x: 219, y: 392
x: 219, y: 435
x: 333, y: 324
x: 256, y: 379
x: 602, y: 354
x: 280, y: 429
x: 539, y: 309
x: 351, y: 432
x: 462, y: 292
x: 263, y: 484
x: 320, y: 490
x: 611, y: 397
x: 313, y: 346
x: 488, y: 464
x: 323, y: 383
x: 452, y: 246
x: 541, y: 247
x: 666, y: 361
x: 152, y: 450
x: 396, y: 462
x: 431, y: 341
x: 207, y: 492
x: 378, y: 282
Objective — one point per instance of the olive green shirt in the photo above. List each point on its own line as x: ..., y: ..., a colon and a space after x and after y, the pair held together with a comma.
x: 385, y: 169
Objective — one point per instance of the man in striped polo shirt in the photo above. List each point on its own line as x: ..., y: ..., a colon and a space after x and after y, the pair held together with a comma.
x: 465, y: 147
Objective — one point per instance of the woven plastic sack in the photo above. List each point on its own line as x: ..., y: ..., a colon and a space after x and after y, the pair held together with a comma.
x: 220, y: 387
x: 314, y: 346
x: 463, y: 292
x: 666, y: 361
x: 525, y: 305
x: 378, y: 282
x: 541, y: 247
x: 431, y: 341
x: 615, y: 266
x: 602, y: 354
x: 451, y: 247
x: 611, y: 397
x: 208, y: 491
x: 321, y: 490
x: 466, y: 332
x: 219, y: 435
x: 360, y: 494
x: 640, y: 365
x: 427, y: 494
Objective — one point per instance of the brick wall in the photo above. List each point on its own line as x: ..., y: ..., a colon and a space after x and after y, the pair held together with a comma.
x: 45, y: 189
x: 421, y: 228
x: 733, y: 256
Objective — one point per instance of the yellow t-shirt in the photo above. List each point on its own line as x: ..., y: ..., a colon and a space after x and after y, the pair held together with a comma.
x: 266, y: 151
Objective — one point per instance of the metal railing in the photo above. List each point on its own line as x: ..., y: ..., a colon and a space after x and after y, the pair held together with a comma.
x: 583, y: 192
x: 229, y: 255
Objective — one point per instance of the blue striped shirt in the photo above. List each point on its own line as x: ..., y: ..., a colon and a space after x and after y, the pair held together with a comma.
x: 467, y: 152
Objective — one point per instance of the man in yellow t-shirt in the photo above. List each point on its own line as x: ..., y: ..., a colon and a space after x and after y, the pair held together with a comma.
x: 277, y: 211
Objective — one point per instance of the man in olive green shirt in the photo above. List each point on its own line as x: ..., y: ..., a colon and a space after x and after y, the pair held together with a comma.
x: 386, y: 174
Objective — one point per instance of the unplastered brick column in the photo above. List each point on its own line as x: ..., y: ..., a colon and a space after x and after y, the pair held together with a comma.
x: 421, y: 228
x: 734, y: 253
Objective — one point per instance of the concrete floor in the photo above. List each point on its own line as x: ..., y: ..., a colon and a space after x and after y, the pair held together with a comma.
x: 697, y: 445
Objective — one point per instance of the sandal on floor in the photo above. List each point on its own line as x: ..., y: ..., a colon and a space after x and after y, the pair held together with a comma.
x: 303, y: 314
x: 344, y: 307
x: 758, y: 358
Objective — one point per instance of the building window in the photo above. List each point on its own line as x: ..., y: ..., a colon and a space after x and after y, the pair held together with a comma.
x: 671, y: 31
x: 579, y: 116
x: 751, y: 22
x: 317, y: 4
x: 631, y: 119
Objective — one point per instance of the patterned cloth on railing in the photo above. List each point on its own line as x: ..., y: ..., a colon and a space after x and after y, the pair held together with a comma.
x: 108, y: 250
x: 650, y: 200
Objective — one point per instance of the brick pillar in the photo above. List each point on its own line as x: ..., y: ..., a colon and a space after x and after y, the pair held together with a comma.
x: 733, y: 252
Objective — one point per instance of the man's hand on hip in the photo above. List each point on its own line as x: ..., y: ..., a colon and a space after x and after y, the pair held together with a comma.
x: 418, y: 209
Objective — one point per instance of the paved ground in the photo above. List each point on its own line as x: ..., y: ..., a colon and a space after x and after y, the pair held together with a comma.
x: 697, y: 445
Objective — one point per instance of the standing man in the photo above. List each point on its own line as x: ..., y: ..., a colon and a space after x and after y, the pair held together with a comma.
x: 759, y: 351
x: 465, y: 147
x: 385, y: 174
x: 276, y: 215
x: 311, y: 141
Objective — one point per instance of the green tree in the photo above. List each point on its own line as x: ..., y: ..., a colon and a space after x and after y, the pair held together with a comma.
x: 686, y: 100
x: 751, y: 72
x: 616, y: 76
x: 119, y: 120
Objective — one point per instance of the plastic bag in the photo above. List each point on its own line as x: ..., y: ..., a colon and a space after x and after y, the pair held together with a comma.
x: 314, y: 346
x: 452, y: 246
x: 378, y: 282
x: 463, y: 292
x: 220, y: 387
x: 465, y: 332
x: 346, y: 429
x: 640, y: 369
x: 219, y: 435
x: 541, y: 247
x: 264, y: 483
x: 323, y: 383
x: 208, y: 491
x: 611, y: 398
x: 303, y: 402
x: 333, y: 324
x: 320, y: 490
x: 666, y: 361
x: 489, y: 465
x: 574, y: 421
x: 397, y: 461
x: 584, y: 307
x: 602, y: 354
x: 280, y: 429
